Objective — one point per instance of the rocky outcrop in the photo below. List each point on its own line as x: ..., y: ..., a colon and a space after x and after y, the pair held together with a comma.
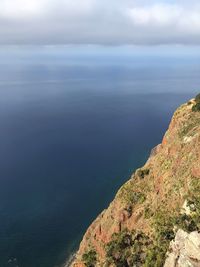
x: 147, y: 211
x: 185, y: 250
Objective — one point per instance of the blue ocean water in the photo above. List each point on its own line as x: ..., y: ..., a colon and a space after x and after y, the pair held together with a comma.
x: 74, y: 124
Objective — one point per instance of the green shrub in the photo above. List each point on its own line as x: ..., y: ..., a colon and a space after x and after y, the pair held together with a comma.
x: 192, y: 221
x: 90, y: 258
x: 117, y: 250
x: 197, y: 98
x: 195, y: 186
x: 155, y: 257
x: 189, y: 127
x: 186, y: 223
x: 148, y: 213
x: 127, y: 249
x: 137, y: 249
x: 141, y: 173
x: 129, y: 196
x: 137, y: 198
x: 196, y: 107
x: 163, y: 225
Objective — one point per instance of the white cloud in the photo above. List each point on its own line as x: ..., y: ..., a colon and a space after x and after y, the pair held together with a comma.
x: 19, y: 9
x: 190, y: 23
x: 180, y: 18
x: 157, y: 15
x: 100, y: 21
x: 10, y: 9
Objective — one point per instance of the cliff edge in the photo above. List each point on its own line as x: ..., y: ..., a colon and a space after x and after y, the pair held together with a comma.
x: 160, y: 201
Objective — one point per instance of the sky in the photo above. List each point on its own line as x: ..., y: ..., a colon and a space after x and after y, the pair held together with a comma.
x: 104, y: 22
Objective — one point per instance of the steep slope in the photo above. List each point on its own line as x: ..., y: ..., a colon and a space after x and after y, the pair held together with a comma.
x: 159, y: 198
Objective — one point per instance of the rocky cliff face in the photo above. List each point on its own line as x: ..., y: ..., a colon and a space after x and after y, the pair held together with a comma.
x: 184, y: 250
x: 160, y: 198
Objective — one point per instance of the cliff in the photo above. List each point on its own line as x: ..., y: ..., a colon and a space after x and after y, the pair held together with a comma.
x: 162, y: 197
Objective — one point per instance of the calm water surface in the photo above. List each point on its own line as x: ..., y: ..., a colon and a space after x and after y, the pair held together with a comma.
x: 74, y: 124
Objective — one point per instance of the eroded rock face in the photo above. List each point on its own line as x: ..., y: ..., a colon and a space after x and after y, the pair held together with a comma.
x: 161, y: 185
x: 185, y: 250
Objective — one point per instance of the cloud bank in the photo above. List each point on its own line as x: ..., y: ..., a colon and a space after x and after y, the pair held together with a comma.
x: 112, y: 22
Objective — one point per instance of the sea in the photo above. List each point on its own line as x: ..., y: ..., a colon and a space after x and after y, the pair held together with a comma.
x: 75, y: 122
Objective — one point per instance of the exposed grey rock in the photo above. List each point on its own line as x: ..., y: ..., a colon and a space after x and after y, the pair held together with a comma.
x: 184, y: 250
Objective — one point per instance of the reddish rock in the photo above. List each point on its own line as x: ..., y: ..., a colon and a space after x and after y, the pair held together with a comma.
x: 196, y: 172
x: 172, y: 167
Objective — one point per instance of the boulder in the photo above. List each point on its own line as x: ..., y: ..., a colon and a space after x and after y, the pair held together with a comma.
x: 185, y: 250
